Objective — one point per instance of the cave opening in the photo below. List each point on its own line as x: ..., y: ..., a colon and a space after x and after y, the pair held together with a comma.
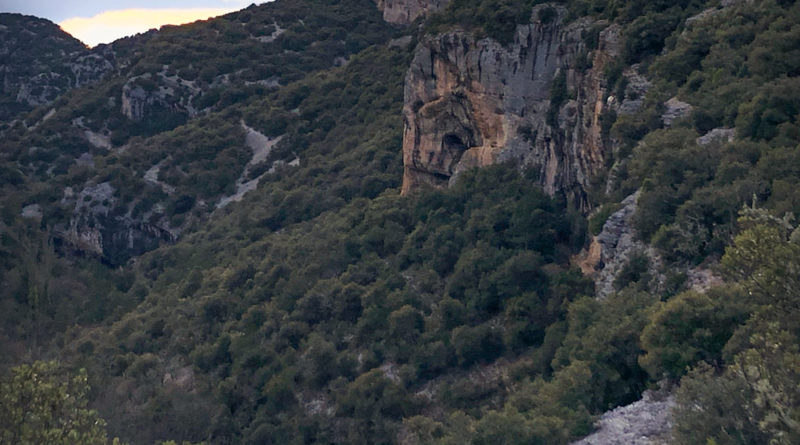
x: 453, y: 143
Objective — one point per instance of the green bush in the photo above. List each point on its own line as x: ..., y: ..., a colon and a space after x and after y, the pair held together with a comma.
x: 691, y: 328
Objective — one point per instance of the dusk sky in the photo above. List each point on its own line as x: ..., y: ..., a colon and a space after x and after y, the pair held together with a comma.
x: 103, y: 21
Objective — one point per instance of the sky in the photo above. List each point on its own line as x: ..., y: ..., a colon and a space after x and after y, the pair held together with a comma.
x: 103, y: 21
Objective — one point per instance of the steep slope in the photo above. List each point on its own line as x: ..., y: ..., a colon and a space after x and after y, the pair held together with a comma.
x: 115, y: 166
x: 40, y: 62
x: 294, y: 208
x: 323, y: 306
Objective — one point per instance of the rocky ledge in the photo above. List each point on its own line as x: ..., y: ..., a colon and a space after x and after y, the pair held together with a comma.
x: 645, y: 422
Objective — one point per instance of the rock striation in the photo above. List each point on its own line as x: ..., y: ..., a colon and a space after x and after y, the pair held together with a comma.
x: 99, y: 227
x: 537, y: 102
x: 617, y: 244
x: 150, y: 94
x: 406, y: 11
x: 613, y: 249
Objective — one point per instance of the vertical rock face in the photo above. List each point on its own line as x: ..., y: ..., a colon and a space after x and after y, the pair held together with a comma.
x: 168, y: 95
x: 406, y: 11
x: 617, y: 244
x: 102, y: 228
x: 472, y: 102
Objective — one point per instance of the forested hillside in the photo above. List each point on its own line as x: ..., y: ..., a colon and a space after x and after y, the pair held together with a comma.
x: 207, y: 241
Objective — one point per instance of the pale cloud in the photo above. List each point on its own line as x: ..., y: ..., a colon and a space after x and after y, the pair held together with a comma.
x: 111, y: 25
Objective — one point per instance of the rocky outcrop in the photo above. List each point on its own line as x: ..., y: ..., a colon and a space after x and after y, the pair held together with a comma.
x: 134, y: 101
x: 148, y: 94
x: 406, y: 11
x: 100, y: 227
x: 617, y: 242
x: 717, y: 135
x: 645, y: 422
x: 89, y: 68
x: 537, y: 102
x: 713, y: 12
x: 614, y: 247
x: 182, y: 378
x: 675, y: 109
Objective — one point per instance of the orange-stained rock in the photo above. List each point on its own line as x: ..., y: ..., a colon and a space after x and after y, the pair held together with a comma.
x: 474, y: 102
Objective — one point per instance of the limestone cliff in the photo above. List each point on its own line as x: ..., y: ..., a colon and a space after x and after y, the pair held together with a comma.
x: 161, y: 93
x: 471, y: 102
x: 100, y: 226
x: 406, y: 11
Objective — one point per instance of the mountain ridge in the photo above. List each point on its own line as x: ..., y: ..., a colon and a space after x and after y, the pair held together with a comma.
x: 61, y: 63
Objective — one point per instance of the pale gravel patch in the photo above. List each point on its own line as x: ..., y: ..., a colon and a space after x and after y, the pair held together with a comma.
x: 98, y: 140
x: 261, y: 145
x: 645, y: 422
x: 151, y: 176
